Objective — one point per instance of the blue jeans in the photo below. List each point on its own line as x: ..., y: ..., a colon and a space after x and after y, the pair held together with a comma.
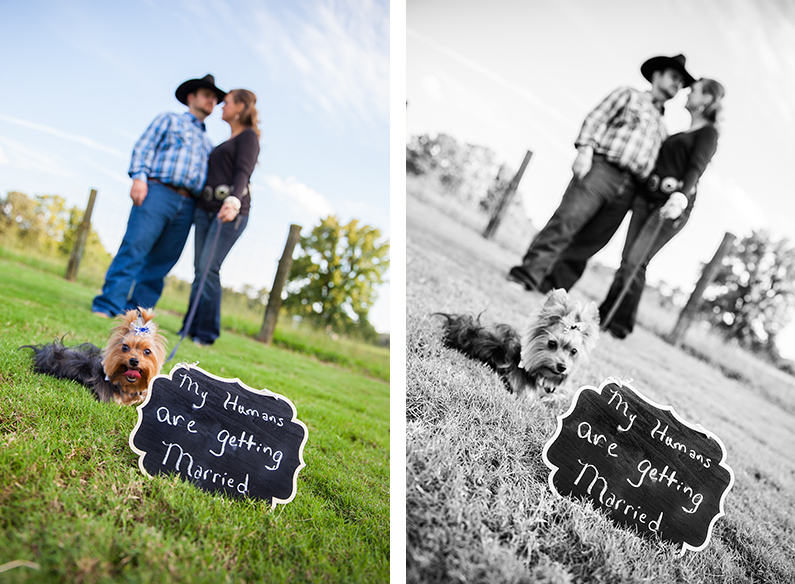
x: 591, y: 209
x: 645, y: 238
x: 156, y: 233
x: 206, y: 325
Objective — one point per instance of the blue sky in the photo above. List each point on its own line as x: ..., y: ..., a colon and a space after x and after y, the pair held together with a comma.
x: 518, y: 76
x: 82, y: 80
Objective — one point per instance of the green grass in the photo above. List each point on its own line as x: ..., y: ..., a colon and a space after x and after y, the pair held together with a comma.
x: 356, y: 356
x: 478, y: 505
x: 73, y: 501
x: 236, y: 316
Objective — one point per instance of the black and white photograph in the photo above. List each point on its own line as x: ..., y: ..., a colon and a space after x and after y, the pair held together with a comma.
x: 600, y: 291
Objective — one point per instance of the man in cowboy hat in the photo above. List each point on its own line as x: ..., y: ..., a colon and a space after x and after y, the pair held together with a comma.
x: 168, y: 168
x: 616, y: 150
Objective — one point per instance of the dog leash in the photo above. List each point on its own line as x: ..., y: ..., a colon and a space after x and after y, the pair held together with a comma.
x: 195, y: 304
x: 625, y: 290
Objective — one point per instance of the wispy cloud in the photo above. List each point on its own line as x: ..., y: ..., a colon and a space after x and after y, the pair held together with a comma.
x: 119, y: 177
x: 489, y: 75
x: 88, y: 142
x: 338, y: 54
x: 349, y: 57
x: 723, y: 205
x: 23, y: 158
x: 743, y: 211
x: 762, y: 44
x: 306, y: 202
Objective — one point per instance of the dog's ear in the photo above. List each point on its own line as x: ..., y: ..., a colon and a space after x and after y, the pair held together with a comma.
x: 556, y: 298
x: 589, y: 319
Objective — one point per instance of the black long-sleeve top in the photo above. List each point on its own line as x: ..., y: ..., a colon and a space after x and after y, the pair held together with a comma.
x: 229, y: 171
x: 685, y: 156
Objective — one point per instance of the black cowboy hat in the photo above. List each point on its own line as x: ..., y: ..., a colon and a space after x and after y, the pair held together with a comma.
x: 192, y: 85
x: 662, y: 63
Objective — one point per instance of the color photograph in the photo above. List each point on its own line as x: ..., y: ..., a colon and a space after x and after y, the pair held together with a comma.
x: 195, y: 256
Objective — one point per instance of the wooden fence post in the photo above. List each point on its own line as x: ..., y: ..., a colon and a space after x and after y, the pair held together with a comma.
x: 275, y: 297
x: 496, y: 216
x: 80, y: 240
x: 689, y: 311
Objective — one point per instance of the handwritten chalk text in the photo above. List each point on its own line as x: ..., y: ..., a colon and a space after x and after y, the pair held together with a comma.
x: 163, y: 415
x: 610, y: 499
x: 231, y: 404
x: 619, y: 403
x: 225, y: 438
x: 660, y: 435
x: 647, y: 470
x: 198, y: 473
x: 584, y: 432
x: 193, y: 386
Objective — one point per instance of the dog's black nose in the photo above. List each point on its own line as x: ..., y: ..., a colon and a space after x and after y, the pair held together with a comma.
x: 133, y: 362
x: 561, y: 367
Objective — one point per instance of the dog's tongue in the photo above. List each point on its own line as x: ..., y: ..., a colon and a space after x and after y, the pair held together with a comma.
x: 133, y: 373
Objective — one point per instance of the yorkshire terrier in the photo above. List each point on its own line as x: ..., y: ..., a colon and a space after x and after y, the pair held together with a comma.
x: 120, y: 373
x: 561, y: 336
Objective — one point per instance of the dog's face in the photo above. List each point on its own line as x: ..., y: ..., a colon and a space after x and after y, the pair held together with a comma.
x: 135, y: 353
x: 562, y: 337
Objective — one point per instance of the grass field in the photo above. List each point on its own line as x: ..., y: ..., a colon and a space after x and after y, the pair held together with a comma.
x: 478, y: 506
x: 74, y: 507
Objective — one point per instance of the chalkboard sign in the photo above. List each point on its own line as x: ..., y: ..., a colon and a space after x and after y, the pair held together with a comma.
x: 220, y: 435
x: 640, y: 462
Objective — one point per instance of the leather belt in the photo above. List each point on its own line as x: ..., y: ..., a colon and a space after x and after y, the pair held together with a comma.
x: 179, y: 190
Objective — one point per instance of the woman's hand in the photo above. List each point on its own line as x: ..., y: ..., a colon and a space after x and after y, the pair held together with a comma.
x: 674, y: 206
x: 229, y: 209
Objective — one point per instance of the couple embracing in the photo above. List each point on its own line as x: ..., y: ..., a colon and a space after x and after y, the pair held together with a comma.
x: 180, y: 180
x: 625, y: 160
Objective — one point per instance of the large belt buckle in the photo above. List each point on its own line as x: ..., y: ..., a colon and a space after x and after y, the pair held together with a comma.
x: 222, y: 192
x: 669, y: 185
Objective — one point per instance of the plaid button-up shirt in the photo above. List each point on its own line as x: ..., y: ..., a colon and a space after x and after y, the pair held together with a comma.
x: 174, y: 149
x: 627, y: 129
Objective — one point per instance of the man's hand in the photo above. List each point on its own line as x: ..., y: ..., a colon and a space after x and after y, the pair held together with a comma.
x: 138, y: 192
x: 583, y: 162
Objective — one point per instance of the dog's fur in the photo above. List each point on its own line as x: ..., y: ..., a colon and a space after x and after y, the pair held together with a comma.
x: 134, y: 354
x: 561, y: 336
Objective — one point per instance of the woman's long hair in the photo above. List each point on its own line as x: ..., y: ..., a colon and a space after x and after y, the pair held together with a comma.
x: 249, y: 116
x: 714, y: 88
